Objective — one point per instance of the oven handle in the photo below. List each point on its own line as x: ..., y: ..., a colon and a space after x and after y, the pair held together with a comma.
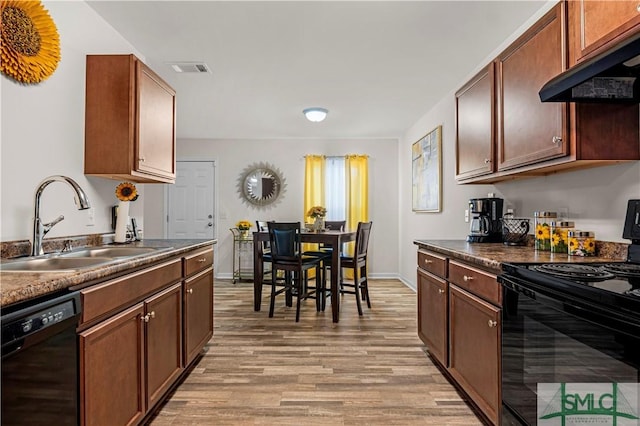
x: 566, y: 303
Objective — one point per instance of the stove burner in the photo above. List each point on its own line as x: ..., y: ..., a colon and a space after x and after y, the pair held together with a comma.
x: 575, y: 271
x: 631, y: 270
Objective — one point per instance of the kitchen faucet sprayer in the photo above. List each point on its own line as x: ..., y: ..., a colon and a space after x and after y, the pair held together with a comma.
x: 41, y: 229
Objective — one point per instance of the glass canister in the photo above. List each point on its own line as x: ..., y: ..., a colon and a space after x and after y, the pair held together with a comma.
x: 582, y: 243
x: 542, y: 222
x: 559, y: 235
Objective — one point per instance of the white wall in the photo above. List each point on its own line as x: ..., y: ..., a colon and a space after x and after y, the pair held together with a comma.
x: 233, y: 156
x: 43, y: 133
x: 596, y: 198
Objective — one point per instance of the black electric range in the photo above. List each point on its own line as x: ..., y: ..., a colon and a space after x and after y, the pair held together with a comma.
x: 575, y: 324
x: 614, y: 285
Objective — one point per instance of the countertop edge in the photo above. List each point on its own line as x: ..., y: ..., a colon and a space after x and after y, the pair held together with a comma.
x: 491, y: 256
x: 17, y: 287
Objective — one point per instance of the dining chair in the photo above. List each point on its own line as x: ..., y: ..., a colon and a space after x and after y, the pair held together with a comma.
x: 264, y: 251
x: 324, y: 252
x: 358, y: 264
x: 286, y: 255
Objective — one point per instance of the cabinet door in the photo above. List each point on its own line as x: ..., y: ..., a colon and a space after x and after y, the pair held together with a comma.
x: 475, y: 125
x: 163, y: 319
x: 528, y: 130
x: 596, y: 24
x: 474, y: 355
x: 432, y: 314
x: 156, y: 124
x: 112, y: 370
x: 198, y: 313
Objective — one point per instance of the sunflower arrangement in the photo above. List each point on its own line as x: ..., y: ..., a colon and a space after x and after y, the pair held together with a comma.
x: 30, y: 47
x: 243, y: 225
x: 317, y: 211
x: 126, y: 191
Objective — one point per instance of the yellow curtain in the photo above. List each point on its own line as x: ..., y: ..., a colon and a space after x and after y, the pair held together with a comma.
x: 357, y: 181
x: 313, y: 183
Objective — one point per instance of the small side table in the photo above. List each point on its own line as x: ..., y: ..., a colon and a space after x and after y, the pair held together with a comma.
x: 242, y: 255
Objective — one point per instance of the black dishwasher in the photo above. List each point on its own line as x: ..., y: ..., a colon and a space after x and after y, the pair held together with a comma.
x: 40, y: 361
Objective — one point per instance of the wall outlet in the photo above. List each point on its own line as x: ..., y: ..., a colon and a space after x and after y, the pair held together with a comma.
x: 466, y: 215
x: 91, y: 216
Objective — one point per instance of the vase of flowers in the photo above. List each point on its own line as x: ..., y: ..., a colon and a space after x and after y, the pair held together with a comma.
x: 317, y: 213
x: 125, y: 192
x: 244, y: 226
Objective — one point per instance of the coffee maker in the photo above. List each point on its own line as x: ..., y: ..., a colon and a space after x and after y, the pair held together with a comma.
x: 485, y: 224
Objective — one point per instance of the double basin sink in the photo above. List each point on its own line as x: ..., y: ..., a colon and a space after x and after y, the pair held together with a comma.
x: 78, y: 259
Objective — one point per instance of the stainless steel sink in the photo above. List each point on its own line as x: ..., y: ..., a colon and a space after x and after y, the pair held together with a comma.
x: 112, y: 252
x: 53, y: 264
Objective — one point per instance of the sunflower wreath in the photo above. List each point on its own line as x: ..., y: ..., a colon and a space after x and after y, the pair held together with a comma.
x: 30, y: 48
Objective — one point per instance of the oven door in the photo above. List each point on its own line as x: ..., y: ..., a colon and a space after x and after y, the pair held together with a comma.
x: 551, y: 337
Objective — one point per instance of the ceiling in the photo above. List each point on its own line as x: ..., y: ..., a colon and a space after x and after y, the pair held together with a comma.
x: 376, y: 66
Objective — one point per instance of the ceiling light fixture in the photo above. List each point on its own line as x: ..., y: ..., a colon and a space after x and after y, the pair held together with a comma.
x: 315, y: 114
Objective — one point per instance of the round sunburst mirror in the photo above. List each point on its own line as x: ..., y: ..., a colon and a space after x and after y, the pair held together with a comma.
x: 261, y: 185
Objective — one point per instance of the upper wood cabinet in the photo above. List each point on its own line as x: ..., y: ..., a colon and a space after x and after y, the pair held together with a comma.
x: 129, y: 121
x: 532, y: 138
x: 596, y: 25
x: 528, y: 130
x: 475, y: 125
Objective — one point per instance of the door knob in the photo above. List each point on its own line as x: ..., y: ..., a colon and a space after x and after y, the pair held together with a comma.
x: 210, y: 216
x: 210, y: 224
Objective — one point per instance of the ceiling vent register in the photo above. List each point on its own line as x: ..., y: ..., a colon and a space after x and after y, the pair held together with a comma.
x: 190, y: 67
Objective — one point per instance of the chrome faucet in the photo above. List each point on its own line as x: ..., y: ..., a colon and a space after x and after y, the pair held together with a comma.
x: 40, y: 229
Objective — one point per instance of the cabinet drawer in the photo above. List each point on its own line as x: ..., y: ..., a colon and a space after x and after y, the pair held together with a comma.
x: 107, y: 297
x: 198, y: 261
x: 479, y: 282
x: 433, y: 263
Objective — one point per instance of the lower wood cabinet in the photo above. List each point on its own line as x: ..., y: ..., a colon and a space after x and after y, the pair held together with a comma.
x: 432, y: 314
x: 130, y: 360
x: 139, y: 334
x: 112, y: 370
x: 474, y: 351
x: 459, y: 320
x: 198, y: 313
x: 163, y: 322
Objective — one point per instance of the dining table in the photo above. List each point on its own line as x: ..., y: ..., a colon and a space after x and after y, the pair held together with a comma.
x: 335, y: 239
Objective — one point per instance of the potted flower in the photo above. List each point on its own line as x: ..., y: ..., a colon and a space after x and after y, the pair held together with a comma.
x: 317, y: 213
x: 125, y: 192
x: 244, y: 226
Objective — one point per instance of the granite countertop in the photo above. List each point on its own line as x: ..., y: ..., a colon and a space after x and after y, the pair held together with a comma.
x: 492, y: 255
x: 20, y: 286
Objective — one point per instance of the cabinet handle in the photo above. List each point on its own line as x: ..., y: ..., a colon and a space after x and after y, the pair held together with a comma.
x: 557, y: 140
x: 190, y: 291
x: 152, y: 314
x: 145, y: 318
x: 638, y: 7
x: 487, y: 161
x: 492, y: 323
x: 441, y: 291
x: 204, y: 259
x: 468, y: 278
x: 427, y: 261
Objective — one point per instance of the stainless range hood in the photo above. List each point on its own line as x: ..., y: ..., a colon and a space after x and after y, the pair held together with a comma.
x: 611, y: 77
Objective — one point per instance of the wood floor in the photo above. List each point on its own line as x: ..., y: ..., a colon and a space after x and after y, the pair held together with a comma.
x: 369, y: 370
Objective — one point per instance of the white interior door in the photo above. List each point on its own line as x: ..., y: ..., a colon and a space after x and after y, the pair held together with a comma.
x: 190, y: 201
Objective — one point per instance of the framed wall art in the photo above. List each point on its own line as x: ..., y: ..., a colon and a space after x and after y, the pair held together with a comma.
x: 426, y: 163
